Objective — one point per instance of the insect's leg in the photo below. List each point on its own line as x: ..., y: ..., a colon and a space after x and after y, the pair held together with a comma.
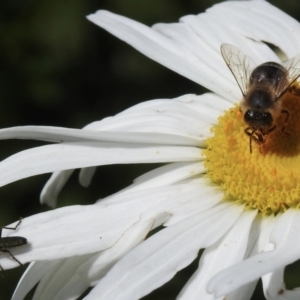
x: 249, y: 132
x: 4, y: 273
x: 12, y: 228
x: 287, y: 117
x: 256, y: 135
x: 7, y: 251
x: 271, y: 129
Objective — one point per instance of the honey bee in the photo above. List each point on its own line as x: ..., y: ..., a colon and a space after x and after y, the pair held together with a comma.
x: 262, y: 88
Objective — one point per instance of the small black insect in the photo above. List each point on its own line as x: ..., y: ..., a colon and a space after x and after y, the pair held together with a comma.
x: 11, y: 242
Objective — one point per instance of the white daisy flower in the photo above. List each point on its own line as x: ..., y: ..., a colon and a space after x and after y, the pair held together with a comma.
x: 240, y: 206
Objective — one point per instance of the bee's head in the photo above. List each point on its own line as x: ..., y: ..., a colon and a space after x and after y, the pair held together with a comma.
x: 258, y: 120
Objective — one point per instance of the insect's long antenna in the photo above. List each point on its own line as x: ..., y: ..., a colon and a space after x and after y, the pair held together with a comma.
x: 11, y: 242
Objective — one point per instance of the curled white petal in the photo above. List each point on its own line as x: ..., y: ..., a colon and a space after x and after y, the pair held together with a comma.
x: 78, y: 230
x: 226, y: 252
x: 284, y: 236
x: 33, y: 274
x: 275, y: 289
x: 72, y: 276
x: 86, y: 175
x: 53, y: 187
x: 261, y: 21
x: 164, y: 253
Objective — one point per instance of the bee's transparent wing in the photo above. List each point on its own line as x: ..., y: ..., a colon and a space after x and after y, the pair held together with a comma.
x: 292, y: 67
x: 239, y: 64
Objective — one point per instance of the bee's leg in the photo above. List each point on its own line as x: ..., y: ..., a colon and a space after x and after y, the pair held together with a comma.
x: 258, y: 137
x: 249, y: 132
x: 287, y: 117
x: 271, y: 129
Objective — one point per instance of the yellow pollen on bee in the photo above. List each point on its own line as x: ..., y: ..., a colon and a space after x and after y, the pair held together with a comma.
x: 268, y: 179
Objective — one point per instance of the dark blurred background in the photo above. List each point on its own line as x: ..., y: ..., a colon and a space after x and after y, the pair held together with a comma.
x: 58, y: 69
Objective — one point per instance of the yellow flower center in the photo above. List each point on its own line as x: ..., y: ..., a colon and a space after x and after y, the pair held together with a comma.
x: 268, y: 179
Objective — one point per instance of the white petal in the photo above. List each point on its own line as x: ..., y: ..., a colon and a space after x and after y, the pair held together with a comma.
x: 176, y: 46
x: 166, y: 175
x: 185, y: 115
x: 213, y: 66
x: 166, y: 50
x: 86, y: 175
x: 62, y: 282
x: 259, y: 20
x: 53, y: 187
x: 245, y: 292
x: 206, y: 44
x: 198, y: 201
x: 97, y: 267
x: 260, y: 227
x: 72, y: 276
x: 274, y: 287
x: 185, y: 120
x: 164, y: 253
x: 68, y: 231
x: 60, y: 134
x: 199, y: 103
x: 190, y: 108
x: 33, y: 274
x: 223, y: 32
x: 78, y: 230
x: 285, y: 237
x: 188, y: 116
x: 226, y: 252
x: 162, y: 176
x: 65, y: 156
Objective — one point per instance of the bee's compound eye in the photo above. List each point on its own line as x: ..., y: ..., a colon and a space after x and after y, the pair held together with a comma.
x: 257, y: 118
x: 249, y: 115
